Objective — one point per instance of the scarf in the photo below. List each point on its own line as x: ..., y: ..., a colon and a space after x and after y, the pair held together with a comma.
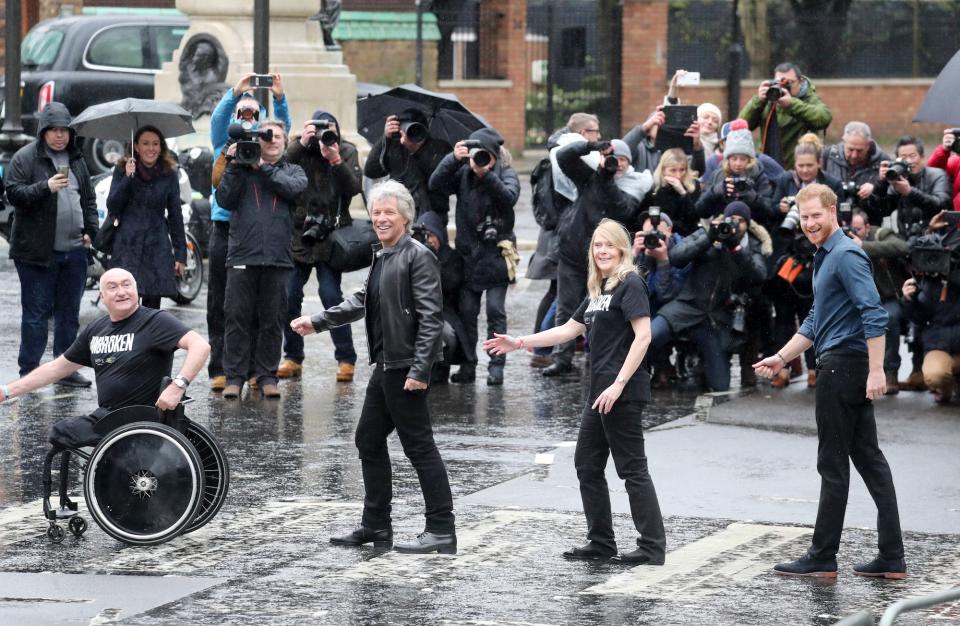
x: 147, y: 174
x: 634, y: 183
x: 561, y: 182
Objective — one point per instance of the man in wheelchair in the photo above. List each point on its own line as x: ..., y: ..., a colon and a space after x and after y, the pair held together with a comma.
x: 131, y: 351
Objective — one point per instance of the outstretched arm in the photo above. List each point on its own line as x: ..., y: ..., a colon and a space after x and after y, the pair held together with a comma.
x: 47, y: 373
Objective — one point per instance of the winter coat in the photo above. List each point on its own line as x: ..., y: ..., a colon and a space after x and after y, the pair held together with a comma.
x: 715, y: 274
x: 806, y: 114
x: 492, y: 196
x: 330, y: 188
x: 34, y: 205
x: 261, y: 204
x: 835, y: 164
x: 389, y: 158
x: 939, y: 321
x: 548, y: 208
x: 646, y: 156
x: 758, y: 196
x: 950, y: 163
x: 929, y: 194
x: 150, y: 221
x: 598, y: 197
x: 681, y: 209
x: 664, y: 281
x: 888, y: 253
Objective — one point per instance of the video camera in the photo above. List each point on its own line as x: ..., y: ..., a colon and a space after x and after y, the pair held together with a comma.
x: 929, y: 256
x: 775, y: 89
x: 326, y: 133
x: 653, y: 237
x: 247, y: 141
x: 898, y: 169
x: 413, y: 129
x: 316, y: 228
x: 478, y: 154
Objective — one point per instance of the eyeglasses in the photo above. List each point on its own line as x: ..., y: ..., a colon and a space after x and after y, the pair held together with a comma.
x: 591, y: 130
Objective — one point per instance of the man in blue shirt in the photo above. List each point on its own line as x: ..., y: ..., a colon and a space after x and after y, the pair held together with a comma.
x: 846, y: 326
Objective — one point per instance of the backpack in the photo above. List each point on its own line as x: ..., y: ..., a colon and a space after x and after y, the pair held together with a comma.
x: 544, y: 207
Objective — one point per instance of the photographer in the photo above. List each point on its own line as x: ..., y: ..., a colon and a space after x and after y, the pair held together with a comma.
x: 409, y: 154
x: 947, y: 158
x: 888, y: 253
x: 739, y: 177
x: 785, y: 109
x: 771, y: 168
x: 914, y: 191
x: 487, y: 188
x: 612, y: 189
x: 261, y: 199
x: 725, y: 263
x: 675, y: 190
x: 856, y: 162
x: 334, y: 178
x: 236, y: 106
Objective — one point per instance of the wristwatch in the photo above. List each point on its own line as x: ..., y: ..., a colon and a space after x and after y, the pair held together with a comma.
x: 181, y: 382
x: 621, y: 380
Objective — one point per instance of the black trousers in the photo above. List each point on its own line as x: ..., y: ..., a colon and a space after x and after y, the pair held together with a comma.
x: 571, y: 290
x: 256, y: 305
x: 619, y: 433
x: 496, y: 319
x: 387, y: 407
x: 847, y: 431
x: 216, y: 289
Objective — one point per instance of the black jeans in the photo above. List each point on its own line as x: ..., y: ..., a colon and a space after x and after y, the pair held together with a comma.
x: 496, y: 319
x: 571, y: 290
x: 387, y: 407
x: 847, y: 430
x: 216, y: 288
x: 619, y: 433
x: 256, y: 301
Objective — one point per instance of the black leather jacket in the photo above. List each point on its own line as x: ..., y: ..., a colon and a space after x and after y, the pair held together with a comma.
x: 410, y: 308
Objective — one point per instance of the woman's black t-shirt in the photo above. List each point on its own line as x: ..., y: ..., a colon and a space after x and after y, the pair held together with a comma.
x: 129, y: 357
x: 607, y: 318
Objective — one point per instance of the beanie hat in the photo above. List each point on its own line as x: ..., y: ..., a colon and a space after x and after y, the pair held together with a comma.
x: 732, y: 125
x: 739, y: 142
x: 621, y: 149
x: 432, y: 221
x: 709, y: 107
x: 737, y: 208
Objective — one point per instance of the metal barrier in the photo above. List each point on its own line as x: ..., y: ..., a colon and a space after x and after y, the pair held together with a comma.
x: 865, y: 618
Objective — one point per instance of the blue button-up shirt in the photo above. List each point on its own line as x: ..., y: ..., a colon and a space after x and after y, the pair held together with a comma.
x: 846, y: 307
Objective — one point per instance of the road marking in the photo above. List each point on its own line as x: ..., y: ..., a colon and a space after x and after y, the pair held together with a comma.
x: 736, y: 554
x: 543, y: 458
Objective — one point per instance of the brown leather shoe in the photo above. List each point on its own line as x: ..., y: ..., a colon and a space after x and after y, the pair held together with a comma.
x: 811, y: 379
x: 781, y: 379
x: 914, y: 382
x: 231, y: 391
x: 796, y: 368
x: 893, y: 387
x: 541, y: 360
x: 345, y: 372
x: 270, y: 391
x: 289, y: 369
x: 217, y: 383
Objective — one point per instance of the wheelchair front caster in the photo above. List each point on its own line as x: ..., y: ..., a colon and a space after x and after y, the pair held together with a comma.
x: 55, y: 533
x: 78, y: 526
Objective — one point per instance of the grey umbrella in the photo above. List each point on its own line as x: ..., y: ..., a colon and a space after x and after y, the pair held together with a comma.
x: 120, y: 119
x: 942, y: 103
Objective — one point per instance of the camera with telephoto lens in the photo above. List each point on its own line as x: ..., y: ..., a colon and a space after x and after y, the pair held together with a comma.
x: 849, y: 189
x: 478, y: 154
x: 247, y: 140
x: 316, y: 228
x: 413, y: 129
x: 897, y: 170
x: 653, y: 237
x: 488, y: 231
x: 419, y: 233
x: 775, y: 89
x: 845, y: 213
x: 326, y: 133
x: 929, y: 256
x: 791, y: 221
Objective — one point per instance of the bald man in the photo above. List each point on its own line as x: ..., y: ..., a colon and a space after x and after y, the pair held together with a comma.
x: 130, y: 350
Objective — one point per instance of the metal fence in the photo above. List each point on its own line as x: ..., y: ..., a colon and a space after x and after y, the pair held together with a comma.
x: 826, y: 38
x: 470, y: 36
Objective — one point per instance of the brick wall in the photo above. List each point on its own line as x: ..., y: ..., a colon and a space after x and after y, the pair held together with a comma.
x: 390, y: 62
x: 644, y: 59
x: 888, y: 106
x: 502, y: 102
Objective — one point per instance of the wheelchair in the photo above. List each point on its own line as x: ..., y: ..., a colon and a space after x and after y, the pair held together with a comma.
x: 150, y: 476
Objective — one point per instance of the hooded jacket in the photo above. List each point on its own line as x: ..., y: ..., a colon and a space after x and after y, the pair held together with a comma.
x: 35, y: 206
x: 492, y: 196
x: 330, y: 188
x: 261, y: 204
x: 835, y: 164
x: 757, y: 196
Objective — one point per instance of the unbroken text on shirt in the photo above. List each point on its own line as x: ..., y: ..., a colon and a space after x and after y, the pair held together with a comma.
x: 111, y: 343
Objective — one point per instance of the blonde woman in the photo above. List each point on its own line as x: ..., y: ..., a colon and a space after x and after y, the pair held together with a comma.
x: 739, y: 177
x: 616, y: 315
x: 675, y: 190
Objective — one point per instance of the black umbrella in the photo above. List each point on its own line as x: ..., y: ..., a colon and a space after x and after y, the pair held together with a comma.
x: 120, y: 119
x: 449, y: 119
x: 942, y: 103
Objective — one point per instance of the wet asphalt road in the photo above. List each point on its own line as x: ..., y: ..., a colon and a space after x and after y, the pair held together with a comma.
x: 296, y: 480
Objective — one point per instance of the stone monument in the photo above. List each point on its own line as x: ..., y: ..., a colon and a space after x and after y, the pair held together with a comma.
x: 218, y: 49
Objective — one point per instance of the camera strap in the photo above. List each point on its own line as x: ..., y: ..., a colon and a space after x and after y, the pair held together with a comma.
x: 790, y: 269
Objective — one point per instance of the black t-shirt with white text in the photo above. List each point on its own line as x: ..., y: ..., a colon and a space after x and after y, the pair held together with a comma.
x: 129, y: 357
x: 607, y: 318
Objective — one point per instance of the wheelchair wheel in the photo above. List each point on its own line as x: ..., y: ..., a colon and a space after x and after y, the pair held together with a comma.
x: 216, y: 474
x: 144, y: 483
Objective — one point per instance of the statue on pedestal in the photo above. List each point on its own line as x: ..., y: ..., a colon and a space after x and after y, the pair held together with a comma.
x: 203, y: 70
x: 329, y: 17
